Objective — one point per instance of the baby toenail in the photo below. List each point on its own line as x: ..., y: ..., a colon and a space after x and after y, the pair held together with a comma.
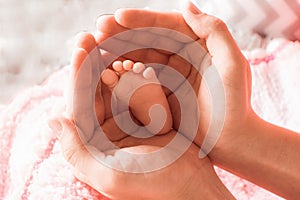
x: 138, y: 67
x: 149, y: 73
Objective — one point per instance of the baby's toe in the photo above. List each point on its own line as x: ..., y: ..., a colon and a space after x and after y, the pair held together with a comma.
x: 138, y: 67
x: 149, y: 73
x: 109, y: 78
x: 128, y: 64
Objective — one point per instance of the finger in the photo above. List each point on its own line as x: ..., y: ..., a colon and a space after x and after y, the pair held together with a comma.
x: 87, y: 63
x: 128, y: 50
x: 85, y: 41
x: 230, y: 69
x: 142, y: 39
x: 107, y: 27
x: 73, y: 148
x: 83, y: 97
x: 79, y: 56
x: 169, y: 20
x: 96, y: 69
x: 220, y: 43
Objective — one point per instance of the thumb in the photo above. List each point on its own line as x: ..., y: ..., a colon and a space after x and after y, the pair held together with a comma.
x: 75, y: 150
x: 86, y: 167
x: 72, y: 147
x: 225, y: 53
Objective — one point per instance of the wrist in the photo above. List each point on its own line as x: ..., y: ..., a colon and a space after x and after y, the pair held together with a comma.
x: 264, y: 154
x: 236, y: 139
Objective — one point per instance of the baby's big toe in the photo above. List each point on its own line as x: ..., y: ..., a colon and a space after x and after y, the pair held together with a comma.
x: 109, y: 78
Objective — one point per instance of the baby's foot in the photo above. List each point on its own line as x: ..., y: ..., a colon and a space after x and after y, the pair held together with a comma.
x: 137, y: 84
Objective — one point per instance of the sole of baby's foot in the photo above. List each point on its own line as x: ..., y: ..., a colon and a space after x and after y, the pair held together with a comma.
x: 139, y: 86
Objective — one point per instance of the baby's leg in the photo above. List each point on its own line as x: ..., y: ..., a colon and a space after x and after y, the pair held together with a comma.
x: 138, y: 84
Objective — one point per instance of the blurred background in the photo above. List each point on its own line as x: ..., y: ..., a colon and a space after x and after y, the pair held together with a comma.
x: 36, y: 37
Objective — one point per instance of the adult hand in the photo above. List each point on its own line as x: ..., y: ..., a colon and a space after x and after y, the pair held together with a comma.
x: 257, y: 146
x: 210, y: 32
x: 263, y: 153
x: 94, y: 160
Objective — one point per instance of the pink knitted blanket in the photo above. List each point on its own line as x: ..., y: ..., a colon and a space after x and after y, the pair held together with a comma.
x: 31, y: 163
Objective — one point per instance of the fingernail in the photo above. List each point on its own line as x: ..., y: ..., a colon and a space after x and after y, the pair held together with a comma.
x: 193, y: 8
x: 101, y: 20
x: 56, y: 126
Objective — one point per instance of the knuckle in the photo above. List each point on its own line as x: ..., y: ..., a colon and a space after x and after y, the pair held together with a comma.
x: 217, y: 24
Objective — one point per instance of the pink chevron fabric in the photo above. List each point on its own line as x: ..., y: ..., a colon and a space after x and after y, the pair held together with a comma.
x: 31, y: 163
x: 273, y: 18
